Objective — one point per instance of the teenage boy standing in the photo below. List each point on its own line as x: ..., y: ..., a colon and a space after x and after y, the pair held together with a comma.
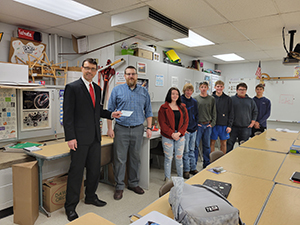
x: 207, y: 119
x: 224, y: 117
x: 264, y: 110
x: 190, y: 135
x: 245, y: 114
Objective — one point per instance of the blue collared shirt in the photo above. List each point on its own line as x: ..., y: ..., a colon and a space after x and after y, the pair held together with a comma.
x: 136, y: 100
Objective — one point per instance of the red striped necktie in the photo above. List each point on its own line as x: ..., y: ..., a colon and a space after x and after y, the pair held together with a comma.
x: 92, y: 95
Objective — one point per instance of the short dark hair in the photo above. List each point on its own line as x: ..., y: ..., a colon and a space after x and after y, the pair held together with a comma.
x: 129, y: 67
x: 242, y: 85
x: 260, y: 86
x: 90, y: 60
x: 203, y: 83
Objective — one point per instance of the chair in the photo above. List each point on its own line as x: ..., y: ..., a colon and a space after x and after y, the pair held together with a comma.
x: 157, y: 151
x: 165, y: 188
x: 213, y: 156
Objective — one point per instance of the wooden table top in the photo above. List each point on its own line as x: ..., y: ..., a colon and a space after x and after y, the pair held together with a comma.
x: 90, y: 219
x: 289, y: 166
x: 262, y: 142
x: 251, y: 162
x: 49, y: 152
x: 279, y: 134
x: 243, y: 195
x: 282, y: 207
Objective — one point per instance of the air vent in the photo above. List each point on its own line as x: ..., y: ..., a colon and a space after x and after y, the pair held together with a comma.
x: 168, y: 22
x: 147, y: 22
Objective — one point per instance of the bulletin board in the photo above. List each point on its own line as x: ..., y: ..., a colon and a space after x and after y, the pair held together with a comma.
x: 35, y: 111
x: 8, y: 114
x: 21, y: 48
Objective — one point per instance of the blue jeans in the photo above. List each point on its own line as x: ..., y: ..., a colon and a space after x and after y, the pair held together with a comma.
x: 171, y: 146
x: 203, y: 133
x: 189, y: 152
x: 241, y: 133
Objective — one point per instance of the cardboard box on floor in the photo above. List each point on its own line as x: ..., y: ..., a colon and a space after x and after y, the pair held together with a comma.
x: 25, y: 193
x: 54, y: 192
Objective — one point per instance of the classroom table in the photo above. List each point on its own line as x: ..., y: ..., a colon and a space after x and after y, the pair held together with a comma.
x: 282, y: 207
x: 290, y: 165
x: 52, y: 152
x: 281, y: 145
x: 251, y: 162
x: 90, y: 219
x: 248, y: 194
x: 279, y: 134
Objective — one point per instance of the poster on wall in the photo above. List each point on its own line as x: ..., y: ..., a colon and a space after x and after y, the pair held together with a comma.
x: 159, y: 80
x: 35, y: 110
x: 141, y: 68
x: 8, y: 114
x: 21, y: 48
x: 120, y: 79
x: 144, y: 83
x: 174, y: 82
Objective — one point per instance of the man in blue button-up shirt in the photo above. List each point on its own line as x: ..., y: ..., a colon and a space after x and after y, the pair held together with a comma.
x: 128, y: 131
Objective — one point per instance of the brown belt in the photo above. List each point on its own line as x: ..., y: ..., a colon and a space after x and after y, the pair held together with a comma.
x: 204, y: 123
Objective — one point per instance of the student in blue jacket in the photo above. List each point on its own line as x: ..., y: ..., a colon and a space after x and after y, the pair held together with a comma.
x: 264, y: 110
x: 189, y: 165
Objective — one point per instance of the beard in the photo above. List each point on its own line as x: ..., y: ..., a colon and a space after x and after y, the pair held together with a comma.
x: 131, y: 82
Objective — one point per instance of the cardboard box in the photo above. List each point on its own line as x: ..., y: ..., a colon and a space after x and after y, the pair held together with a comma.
x: 143, y: 53
x: 54, y: 192
x: 25, y: 193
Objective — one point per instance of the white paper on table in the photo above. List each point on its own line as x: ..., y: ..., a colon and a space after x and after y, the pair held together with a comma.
x: 126, y: 113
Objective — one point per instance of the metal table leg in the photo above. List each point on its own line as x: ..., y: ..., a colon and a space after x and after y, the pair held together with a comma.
x: 40, y: 163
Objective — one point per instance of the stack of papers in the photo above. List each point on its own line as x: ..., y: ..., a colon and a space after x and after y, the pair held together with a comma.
x: 286, y: 130
x: 19, y: 147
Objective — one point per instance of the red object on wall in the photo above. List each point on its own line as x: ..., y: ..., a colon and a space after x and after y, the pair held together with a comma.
x: 29, y: 35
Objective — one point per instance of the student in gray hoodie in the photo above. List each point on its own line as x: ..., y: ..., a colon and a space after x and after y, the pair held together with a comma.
x: 245, y: 113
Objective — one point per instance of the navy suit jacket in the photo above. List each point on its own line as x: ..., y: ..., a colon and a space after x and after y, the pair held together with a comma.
x: 81, y: 120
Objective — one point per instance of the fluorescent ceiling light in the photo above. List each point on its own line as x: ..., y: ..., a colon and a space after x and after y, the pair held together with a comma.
x: 194, y: 40
x: 229, y: 57
x: 66, y: 8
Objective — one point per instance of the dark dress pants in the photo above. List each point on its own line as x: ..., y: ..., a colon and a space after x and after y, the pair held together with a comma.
x: 88, y: 156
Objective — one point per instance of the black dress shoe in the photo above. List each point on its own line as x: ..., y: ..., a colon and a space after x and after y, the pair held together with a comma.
x: 95, y: 202
x: 118, y: 194
x: 72, y: 215
x: 137, y: 190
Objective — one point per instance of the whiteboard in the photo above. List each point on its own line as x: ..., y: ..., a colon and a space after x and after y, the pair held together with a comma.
x: 285, y: 100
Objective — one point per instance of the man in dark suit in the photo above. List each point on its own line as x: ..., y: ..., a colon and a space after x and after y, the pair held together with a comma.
x: 81, y: 120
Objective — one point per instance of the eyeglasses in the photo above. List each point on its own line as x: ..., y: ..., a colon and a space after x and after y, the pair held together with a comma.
x: 88, y: 68
x: 132, y: 74
x: 242, y: 89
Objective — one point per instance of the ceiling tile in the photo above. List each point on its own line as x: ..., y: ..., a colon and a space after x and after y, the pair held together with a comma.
x: 80, y: 29
x: 100, y: 21
x: 291, y: 21
x: 287, y: 5
x: 268, y: 43
x: 23, y: 23
x: 269, y: 26
x: 221, y: 33
x: 235, y: 10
